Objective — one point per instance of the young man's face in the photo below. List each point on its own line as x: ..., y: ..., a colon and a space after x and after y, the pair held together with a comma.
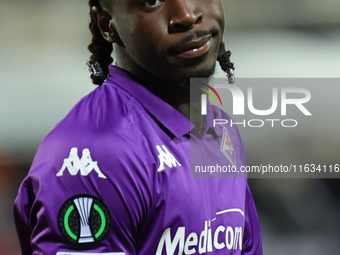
x: 172, y: 39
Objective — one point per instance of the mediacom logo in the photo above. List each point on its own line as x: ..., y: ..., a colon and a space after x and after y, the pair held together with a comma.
x: 223, y: 237
x: 297, y: 97
x: 216, y: 234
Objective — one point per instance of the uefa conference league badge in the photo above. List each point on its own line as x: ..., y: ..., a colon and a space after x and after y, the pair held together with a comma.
x: 227, y: 148
x: 84, y: 219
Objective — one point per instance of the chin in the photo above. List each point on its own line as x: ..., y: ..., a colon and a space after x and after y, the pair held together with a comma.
x: 184, y: 82
x: 202, y: 72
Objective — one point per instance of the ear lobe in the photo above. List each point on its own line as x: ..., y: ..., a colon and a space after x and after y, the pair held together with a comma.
x: 113, y: 34
x: 105, y: 25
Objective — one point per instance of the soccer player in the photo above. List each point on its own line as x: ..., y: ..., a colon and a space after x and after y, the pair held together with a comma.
x: 113, y: 177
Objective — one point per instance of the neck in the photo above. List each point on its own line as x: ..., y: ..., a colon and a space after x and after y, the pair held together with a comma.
x: 177, y: 94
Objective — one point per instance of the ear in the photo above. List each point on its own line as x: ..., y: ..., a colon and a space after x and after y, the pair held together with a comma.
x: 105, y: 24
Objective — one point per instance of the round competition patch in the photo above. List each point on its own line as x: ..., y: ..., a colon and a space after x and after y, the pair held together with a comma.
x: 84, y: 219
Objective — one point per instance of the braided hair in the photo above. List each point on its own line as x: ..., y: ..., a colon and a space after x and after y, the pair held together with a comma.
x: 101, y: 50
x: 223, y: 57
x: 99, y: 47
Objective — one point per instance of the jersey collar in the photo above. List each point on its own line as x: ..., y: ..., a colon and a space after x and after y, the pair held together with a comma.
x: 168, y: 116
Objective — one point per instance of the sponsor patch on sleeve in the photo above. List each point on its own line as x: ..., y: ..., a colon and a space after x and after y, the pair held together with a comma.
x: 84, y: 219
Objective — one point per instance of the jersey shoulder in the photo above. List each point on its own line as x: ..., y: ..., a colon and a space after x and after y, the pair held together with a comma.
x: 99, y: 132
x: 97, y: 155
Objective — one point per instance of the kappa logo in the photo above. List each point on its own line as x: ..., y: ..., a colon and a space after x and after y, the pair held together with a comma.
x: 85, y: 164
x: 227, y: 147
x: 165, y: 157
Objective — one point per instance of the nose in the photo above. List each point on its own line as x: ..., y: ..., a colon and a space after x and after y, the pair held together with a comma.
x: 184, y: 15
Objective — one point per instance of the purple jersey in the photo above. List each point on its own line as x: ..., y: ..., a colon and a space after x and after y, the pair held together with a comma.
x: 113, y: 177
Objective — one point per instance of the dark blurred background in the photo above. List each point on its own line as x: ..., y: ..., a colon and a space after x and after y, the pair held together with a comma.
x: 43, y: 74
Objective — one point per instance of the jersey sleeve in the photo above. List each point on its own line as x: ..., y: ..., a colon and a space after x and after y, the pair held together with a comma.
x: 84, y: 198
x: 252, y: 239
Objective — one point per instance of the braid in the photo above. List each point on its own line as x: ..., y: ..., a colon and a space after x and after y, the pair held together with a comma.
x: 223, y: 58
x: 99, y: 47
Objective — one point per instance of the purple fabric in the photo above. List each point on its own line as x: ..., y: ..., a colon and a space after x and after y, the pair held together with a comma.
x: 127, y: 134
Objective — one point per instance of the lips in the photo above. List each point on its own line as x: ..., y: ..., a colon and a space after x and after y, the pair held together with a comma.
x: 193, y: 48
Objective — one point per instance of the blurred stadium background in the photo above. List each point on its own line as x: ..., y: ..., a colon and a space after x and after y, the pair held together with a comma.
x: 43, y: 74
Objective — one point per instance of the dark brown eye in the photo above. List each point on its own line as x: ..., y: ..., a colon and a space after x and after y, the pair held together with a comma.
x: 152, y: 3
